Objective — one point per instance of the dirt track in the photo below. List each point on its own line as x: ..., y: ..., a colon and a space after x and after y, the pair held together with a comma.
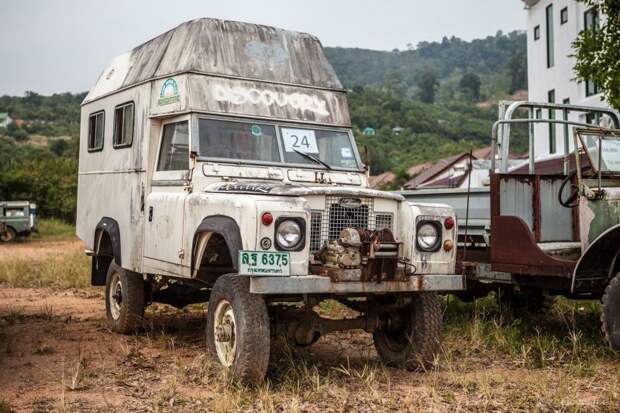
x: 57, y: 354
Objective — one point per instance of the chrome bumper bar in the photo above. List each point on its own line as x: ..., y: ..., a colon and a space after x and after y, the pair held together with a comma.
x: 315, y: 284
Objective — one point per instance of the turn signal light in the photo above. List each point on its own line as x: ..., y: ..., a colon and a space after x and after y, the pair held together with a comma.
x: 449, y: 223
x: 267, y: 218
x: 448, y: 245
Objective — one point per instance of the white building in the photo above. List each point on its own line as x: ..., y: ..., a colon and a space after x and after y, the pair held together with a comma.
x: 553, y: 25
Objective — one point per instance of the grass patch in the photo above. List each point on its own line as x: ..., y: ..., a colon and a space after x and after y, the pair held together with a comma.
x: 54, y: 228
x: 62, y: 270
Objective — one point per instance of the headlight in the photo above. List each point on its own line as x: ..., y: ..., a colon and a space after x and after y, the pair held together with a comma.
x: 428, y: 236
x: 289, y: 234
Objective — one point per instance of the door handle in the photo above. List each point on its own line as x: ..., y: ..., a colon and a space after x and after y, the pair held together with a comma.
x: 150, y: 214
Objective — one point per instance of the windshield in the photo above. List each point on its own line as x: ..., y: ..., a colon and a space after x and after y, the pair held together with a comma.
x: 609, y: 149
x: 265, y: 143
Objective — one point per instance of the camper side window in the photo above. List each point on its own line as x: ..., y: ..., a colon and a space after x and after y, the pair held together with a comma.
x: 96, y: 123
x: 123, y: 125
x: 174, y: 151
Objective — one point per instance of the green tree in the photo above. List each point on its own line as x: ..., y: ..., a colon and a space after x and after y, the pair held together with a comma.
x: 470, y: 86
x: 598, y: 51
x: 428, y: 83
x: 517, y: 67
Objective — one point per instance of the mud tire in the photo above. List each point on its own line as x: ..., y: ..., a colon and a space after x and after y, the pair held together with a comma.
x: 252, y: 330
x: 610, y: 313
x: 130, y: 311
x: 8, y: 235
x: 416, y: 342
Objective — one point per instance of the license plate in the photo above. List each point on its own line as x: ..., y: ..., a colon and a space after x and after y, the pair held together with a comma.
x: 264, y: 263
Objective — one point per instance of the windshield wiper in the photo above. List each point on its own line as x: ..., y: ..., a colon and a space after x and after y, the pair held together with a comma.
x: 313, y: 158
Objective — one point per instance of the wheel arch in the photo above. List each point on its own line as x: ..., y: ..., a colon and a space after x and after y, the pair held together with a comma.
x: 107, y: 247
x: 600, y: 258
x: 212, y: 228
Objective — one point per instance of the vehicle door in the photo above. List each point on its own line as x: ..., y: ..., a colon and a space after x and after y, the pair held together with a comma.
x: 165, y: 203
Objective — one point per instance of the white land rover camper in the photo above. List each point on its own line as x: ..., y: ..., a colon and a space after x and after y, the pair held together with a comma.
x: 217, y: 164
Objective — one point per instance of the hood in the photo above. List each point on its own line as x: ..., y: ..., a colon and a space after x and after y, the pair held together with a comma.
x: 290, y: 189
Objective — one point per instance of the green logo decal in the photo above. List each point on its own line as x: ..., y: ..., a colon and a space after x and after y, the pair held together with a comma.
x: 169, y: 92
x: 256, y: 130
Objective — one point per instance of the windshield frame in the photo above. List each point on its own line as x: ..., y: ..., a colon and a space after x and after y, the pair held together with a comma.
x: 277, y: 124
x: 601, y: 135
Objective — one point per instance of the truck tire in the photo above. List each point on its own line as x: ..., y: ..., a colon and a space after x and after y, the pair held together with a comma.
x: 238, y: 334
x: 610, y: 313
x: 412, y: 337
x: 8, y: 235
x: 124, y: 299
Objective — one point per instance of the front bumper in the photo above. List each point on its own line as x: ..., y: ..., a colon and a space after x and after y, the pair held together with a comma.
x: 315, y: 284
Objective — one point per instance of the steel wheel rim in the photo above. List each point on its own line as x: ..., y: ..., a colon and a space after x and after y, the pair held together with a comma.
x: 225, y: 333
x: 116, y: 296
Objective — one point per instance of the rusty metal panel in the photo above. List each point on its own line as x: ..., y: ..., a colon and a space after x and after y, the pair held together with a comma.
x: 267, y: 100
x: 225, y: 49
x: 556, y: 220
x: 516, y: 199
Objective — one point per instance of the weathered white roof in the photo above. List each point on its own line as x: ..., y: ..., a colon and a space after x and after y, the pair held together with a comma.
x: 222, y: 48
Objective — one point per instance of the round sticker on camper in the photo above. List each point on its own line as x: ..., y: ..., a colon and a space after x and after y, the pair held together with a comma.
x: 256, y: 130
x: 169, y: 92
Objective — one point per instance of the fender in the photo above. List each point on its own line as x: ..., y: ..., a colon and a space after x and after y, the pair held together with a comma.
x: 600, y: 258
x: 227, y: 228
x: 110, y: 226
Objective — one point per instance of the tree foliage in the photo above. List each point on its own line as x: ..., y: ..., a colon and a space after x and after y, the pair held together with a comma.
x: 470, y: 86
x: 598, y: 51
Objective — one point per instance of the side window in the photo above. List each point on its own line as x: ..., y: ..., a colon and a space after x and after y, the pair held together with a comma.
x: 174, y: 151
x: 96, y: 123
x: 123, y: 125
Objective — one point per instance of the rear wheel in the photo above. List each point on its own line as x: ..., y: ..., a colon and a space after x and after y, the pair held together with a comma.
x: 238, y: 329
x: 124, y: 299
x: 8, y: 235
x: 610, y: 314
x: 410, y: 337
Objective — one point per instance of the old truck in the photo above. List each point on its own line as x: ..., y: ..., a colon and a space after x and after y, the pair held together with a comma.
x: 217, y: 163
x: 17, y: 219
x: 549, y: 226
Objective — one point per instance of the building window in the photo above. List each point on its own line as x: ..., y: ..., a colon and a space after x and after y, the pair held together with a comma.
x: 536, y: 32
x: 566, y: 101
x: 551, y: 99
x: 174, y: 151
x: 591, y: 22
x: 96, y: 124
x: 564, y: 15
x: 123, y: 125
x: 549, y: 34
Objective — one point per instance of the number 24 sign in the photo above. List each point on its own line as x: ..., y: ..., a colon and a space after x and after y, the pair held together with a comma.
x: 302, y: 140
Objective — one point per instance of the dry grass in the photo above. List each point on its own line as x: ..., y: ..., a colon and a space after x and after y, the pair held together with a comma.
x: 489, y: 361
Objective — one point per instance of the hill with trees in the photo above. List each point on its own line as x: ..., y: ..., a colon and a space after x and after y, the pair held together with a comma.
x: 424, y: 103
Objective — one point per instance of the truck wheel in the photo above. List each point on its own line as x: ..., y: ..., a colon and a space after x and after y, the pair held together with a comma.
x: 124, y: 299
x: 410, y: 337
x: 238, y: 329
x: 610, y: 314
x: 8, y: 235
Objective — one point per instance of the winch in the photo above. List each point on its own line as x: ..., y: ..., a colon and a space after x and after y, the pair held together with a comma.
x: 359, y: 255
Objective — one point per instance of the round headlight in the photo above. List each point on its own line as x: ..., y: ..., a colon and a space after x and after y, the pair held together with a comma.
x: 427, y: 236
x: 288, y: 234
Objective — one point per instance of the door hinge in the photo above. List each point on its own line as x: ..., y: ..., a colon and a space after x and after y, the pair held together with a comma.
x: 181, y: 253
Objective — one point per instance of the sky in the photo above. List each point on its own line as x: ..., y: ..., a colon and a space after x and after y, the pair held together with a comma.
x: 55, y: 46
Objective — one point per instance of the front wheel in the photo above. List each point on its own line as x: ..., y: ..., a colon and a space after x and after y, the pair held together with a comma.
x: 238, y: 329
x: 124, y: 299
x: 610, y: 314
x: 410, y: 337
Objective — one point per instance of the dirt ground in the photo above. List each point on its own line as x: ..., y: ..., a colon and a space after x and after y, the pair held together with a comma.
x: 56, y: 354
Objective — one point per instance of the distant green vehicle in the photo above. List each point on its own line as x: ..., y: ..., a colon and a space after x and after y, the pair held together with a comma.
x: 17, y: 219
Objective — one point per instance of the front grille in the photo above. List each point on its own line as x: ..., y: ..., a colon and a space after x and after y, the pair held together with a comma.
x: 383, y: 221
x: 342, y: 216
x: 327, y: 224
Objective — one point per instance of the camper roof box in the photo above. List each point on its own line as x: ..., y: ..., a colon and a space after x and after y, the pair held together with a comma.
x: 231, y: 67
